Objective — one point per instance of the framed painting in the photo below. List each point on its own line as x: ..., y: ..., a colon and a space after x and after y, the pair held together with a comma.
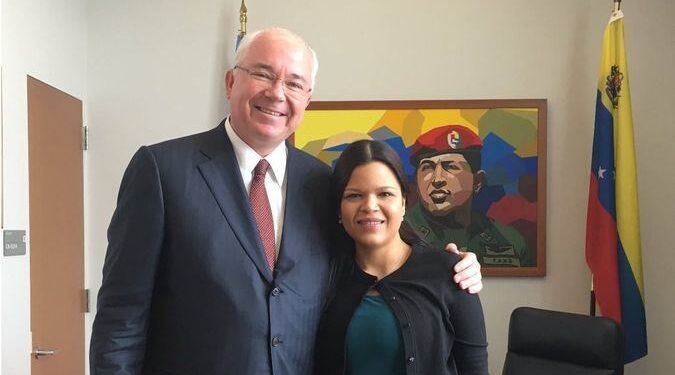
x: 477, y: 170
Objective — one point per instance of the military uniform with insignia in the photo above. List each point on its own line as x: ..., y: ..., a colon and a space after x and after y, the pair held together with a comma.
x: 443, y: 193
x: 495, y: 244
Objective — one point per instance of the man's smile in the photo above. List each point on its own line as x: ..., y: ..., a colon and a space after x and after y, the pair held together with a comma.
x: 269, y: 111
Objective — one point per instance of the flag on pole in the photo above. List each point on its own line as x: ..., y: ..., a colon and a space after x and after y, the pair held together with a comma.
x: 613, y: 229
x: 240, y: 36
x: 243, y: 18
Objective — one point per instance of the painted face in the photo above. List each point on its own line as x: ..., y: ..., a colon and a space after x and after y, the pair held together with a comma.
x: 372, y: 206
x: 444, y: 183
x: 264, y: 113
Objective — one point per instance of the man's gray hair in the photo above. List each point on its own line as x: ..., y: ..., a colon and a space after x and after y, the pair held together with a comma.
x: 250, y: 38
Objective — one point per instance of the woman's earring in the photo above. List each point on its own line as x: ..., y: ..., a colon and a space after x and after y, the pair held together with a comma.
x: 339, y: 220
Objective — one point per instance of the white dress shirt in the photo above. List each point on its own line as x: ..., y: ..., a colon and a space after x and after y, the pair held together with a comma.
x: 275, y: 179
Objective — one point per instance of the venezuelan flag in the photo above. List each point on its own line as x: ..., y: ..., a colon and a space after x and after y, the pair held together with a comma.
x: 613, y: 228
x: 240, y: 36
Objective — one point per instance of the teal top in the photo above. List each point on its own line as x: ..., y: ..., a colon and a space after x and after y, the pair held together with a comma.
x: 374, y: 344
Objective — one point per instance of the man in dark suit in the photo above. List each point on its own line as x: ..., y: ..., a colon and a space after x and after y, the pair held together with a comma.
x: 218, y: 249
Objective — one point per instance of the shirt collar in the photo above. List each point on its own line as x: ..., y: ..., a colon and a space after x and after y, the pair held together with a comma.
x: 247, y: 158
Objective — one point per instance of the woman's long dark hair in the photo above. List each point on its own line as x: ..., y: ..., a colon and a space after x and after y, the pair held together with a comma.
x: 355, y: 155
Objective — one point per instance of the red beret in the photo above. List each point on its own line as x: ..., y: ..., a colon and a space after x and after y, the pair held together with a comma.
x: 443, y: 140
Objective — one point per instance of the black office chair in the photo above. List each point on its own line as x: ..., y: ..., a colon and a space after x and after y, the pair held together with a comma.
x: 544, y: 342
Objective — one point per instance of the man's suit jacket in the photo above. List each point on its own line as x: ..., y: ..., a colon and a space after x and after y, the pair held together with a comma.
x: 186, y: 288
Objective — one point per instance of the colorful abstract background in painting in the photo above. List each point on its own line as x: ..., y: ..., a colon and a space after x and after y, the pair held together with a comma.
x: 509, y: 156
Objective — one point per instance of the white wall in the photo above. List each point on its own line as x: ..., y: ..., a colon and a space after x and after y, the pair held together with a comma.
x: 45, y: 39
x: 651, y: 39
x: 1, y: 162
x: 154, y: 70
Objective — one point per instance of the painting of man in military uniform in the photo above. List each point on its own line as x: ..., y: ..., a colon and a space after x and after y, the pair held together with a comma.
x: 448, y: 174
x: 476, y: 170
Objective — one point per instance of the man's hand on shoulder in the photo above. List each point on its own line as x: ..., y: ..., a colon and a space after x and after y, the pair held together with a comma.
x: 468, y: 275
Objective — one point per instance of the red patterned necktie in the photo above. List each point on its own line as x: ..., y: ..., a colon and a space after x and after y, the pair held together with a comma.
x: 260, y: 205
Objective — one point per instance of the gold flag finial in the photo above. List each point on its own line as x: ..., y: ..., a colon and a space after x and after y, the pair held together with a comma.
x: 242, y: 19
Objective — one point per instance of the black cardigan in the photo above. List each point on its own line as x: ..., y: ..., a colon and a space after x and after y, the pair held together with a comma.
x: 442, y: 327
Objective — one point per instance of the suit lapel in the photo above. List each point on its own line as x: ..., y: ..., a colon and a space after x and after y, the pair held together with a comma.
x: 297, y: 214
x: 222, y: 175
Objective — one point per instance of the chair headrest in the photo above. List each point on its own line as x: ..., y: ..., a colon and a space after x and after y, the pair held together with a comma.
x: 585, y: 340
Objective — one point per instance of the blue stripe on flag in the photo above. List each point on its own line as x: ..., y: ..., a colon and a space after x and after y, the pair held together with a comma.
x: 603, y: 156
x: 240, y: 36
x: 633, y: 319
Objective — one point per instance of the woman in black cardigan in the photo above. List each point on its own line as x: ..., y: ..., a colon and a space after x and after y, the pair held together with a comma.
x: 392, y: 308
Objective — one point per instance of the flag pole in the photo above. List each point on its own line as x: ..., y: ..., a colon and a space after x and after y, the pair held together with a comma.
x: 243, y: 18
x: 591, y: 308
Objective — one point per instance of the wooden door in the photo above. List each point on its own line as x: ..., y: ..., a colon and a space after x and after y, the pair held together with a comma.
x: 56, y: 230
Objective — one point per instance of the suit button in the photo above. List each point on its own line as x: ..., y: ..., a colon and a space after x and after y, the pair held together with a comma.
x: 411, y: 359
x: 276, y: 291
x: 276, y: 341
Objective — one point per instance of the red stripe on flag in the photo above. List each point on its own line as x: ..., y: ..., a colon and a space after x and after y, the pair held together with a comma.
x: 601, y: 254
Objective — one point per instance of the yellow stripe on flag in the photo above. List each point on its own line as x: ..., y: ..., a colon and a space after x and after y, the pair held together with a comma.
x: 627, y: 212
